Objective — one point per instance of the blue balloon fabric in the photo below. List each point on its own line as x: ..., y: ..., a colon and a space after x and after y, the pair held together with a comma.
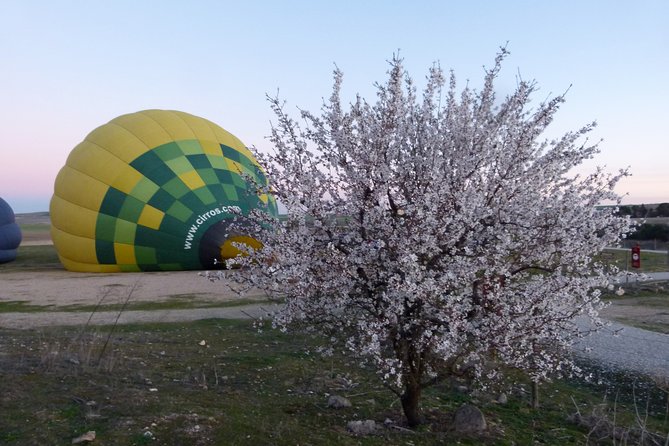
x: 10, y: 233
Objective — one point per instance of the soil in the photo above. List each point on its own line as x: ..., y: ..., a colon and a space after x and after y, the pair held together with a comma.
x: 64, y: 288
x: 59, y: 289
x: 635, y: 311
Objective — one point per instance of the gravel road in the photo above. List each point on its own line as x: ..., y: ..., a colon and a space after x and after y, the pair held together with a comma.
x: 627, y: 348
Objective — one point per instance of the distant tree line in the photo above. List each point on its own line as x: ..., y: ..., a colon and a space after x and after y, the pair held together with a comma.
x: 645, y: 211
x: 649, y: 231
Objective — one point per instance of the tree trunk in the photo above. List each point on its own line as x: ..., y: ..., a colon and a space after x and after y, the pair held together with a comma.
x: 535, y: 394
x: 411, y: 404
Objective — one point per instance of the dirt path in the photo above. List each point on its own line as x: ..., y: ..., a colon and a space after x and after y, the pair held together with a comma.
x: 62, y: 318
x: 641, y: 312
x: 60, y: 288
x: 63, y: 288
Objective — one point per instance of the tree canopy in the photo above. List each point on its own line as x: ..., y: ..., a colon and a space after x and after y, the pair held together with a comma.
x: 467, y: 237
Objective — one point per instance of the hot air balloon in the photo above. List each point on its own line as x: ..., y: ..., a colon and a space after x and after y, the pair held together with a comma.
x: 10, y: 233
x: 155, y: 190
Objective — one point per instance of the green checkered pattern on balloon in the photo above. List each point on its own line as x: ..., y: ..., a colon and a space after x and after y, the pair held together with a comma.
x: 162, y: 188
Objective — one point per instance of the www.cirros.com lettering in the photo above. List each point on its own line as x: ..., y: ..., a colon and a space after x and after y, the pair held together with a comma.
x: 202, y: 218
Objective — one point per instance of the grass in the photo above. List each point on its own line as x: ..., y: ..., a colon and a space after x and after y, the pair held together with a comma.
x: 655, y: 293
x: 650, y: 261
x: 249, y: 387
x: 174, y: 302
x: 657, y: 327
x: 651, y: 296
x: 37, y: 228
x: 45, y: 257
x: 33, y: 258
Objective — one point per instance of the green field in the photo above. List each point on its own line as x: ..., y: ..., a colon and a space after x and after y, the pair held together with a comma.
x: 32, y: 258
x: 261, y: 388
x: 650, y: 261
x: 45, y: 256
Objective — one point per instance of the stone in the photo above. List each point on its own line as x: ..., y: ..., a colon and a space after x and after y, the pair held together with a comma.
x: 88, y: 436
x: 469, y: 420
x: 338, y: 402
x: 357, y: 427
x: 502, y: 398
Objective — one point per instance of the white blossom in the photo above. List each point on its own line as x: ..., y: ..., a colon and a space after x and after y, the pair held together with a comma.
x: 429, y: 234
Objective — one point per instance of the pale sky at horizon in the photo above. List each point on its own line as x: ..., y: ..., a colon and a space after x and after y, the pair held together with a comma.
x: 71, y: 66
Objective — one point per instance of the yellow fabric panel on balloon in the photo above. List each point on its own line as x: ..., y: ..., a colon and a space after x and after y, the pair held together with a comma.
x: 211, y: 147
x: 192, y: 180
x: 125, y: 254
x: 75, y: 248
x: 86, y: 267
x: 100, y: 164
x: 151, y: 217
x: 74, y: 219
x: 127, y: 179
x: 201, y: 127
x: 70, y: 183
x: 228, y: 139
x: 118, y: 141
x: 173, y: 123
x: 147, y: 130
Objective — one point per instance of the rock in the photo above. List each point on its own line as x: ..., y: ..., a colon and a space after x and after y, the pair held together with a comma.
x: 502, y: 398
x: 338, y: 402
x: 366, y: 427
x: 88, y: 436
x: 469, y: 419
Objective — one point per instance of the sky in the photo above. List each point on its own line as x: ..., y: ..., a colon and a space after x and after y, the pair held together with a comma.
x: 68, y: 67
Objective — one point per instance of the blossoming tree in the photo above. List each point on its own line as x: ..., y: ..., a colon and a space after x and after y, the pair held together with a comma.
x: 427, y: 235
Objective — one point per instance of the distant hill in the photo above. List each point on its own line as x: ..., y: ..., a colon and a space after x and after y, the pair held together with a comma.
x: 654, y: 210
x: 33, y: 218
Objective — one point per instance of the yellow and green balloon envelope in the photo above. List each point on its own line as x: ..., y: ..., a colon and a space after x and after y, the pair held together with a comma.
x: 155, y: 190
